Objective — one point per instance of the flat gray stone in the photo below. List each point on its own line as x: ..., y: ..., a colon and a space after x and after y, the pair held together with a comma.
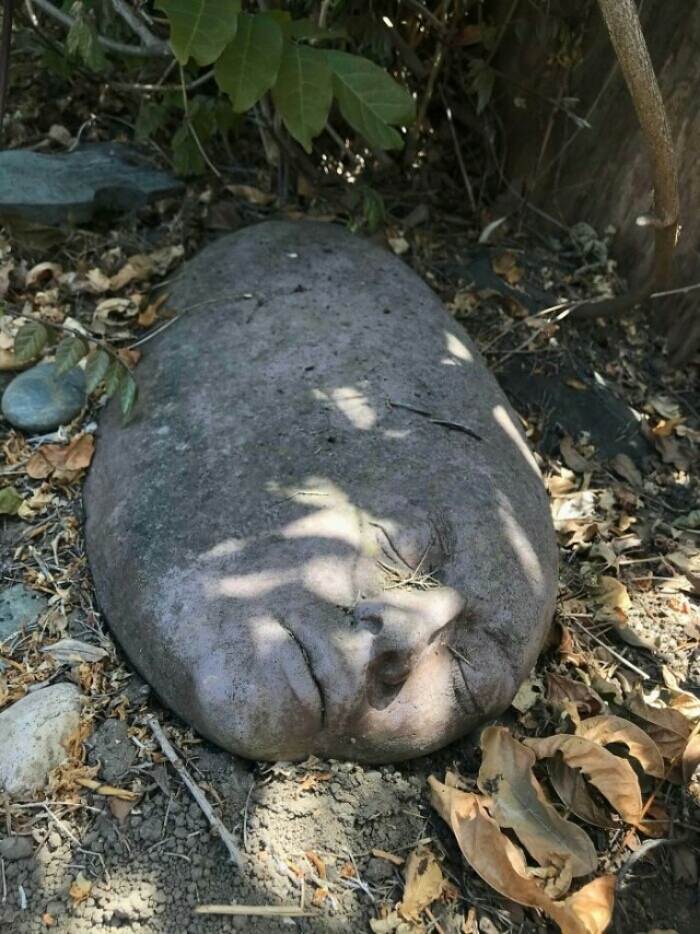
x: 32, y: 733
x: 19, y: 609
x: 38, y: 400
x: 111, y: 747
x: 67, y: 188
x: 323, y: 532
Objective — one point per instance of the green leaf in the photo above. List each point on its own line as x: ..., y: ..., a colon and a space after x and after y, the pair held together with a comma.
x: 303, y: 92
x: 114, y: 376
x: 96, y: 367
x: 82, y: 42
x: 482, y: 81
x: 370, y: 100
x: 307, y: 29
x: 30, y: 340
x: 187, y: 158
x: 248, y: 66
x: 70, y: 351
x: 128, y: 394
x: 200, y: 29
x: 10, y: 501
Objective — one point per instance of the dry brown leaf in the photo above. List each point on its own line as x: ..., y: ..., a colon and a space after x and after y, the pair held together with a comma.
x: 129, y: 357
x: 62, y: 462
x: 109, y: 791
x: 594, y: 903
x: 251, y: 194
x: 80, y: 889
x: 121, y: 808
x: 391, y: 857
x: 667, y: 727
x: 607, y: 730
x: 572, y: 789
x: 625, y: 467
x: 690, y: 761
x: 519, y: 804
x: 506, y: 266
x: 424, y: 884
x: 613, y: 594
x: 317, y: 863
x: 500, y: 865
x: 613, y: 777
x: 563, y: 691
x: 41, y: 274
x: 571, y: 457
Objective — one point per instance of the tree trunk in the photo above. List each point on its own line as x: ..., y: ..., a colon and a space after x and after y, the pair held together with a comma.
x: 602, y: 175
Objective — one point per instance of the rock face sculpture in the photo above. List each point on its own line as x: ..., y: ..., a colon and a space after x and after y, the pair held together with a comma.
x: 323, y: 531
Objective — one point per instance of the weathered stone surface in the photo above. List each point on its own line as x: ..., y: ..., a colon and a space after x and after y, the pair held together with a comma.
x: 40, y: 400
x: 323, y: 531
x: 69, y: 187
x: 32, y: 733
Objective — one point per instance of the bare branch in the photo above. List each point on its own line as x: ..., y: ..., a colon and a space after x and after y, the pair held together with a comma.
x: 627, y: 39
x: 157, y: 49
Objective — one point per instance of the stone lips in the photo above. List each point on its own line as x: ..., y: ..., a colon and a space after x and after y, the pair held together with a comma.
x: 323, y: 531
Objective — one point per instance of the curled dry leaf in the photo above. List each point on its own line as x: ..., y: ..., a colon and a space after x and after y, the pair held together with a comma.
x: 572, y: 789
x: 62, y: 462
x: 608, y: 730
x: 668, y: 728
x: 573, y: 460
x: 500, y: 864
x: 563, y: 692
x: 613, y: 594
x: 613, y: 777
x: 690, y: 761
x: 519, y: 803
x: 424, y: 884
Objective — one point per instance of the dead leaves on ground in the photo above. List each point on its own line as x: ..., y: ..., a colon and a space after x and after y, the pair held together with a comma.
x: 515, y: 829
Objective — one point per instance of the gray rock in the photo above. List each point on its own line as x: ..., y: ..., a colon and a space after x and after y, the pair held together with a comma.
x: 38, y: 400
x: 32, y: 733
x: 323, y: 532
x: 112, y: 748
x: 19, y: 609
x: 12, y: 848
x: 69, y: 187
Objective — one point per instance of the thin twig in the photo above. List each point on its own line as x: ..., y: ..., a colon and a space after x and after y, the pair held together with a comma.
x: 196, y: 792
x: 620, y: 658
x: 265, y: 911
x: 137, y: 25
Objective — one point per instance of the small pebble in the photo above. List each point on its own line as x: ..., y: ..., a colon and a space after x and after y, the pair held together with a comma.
x: 38, y: 400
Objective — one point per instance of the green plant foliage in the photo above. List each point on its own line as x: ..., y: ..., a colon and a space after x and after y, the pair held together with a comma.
x: 248, y: 66
x: 30, y: 340
x: 113, y: 376
x: 70, y: 351
x: 303, y: 92
x: 200, y: 29
x: 370, y: 100
x: 482, y: 79
x: 128, y: 394
x: 10, y: 501
x: 96, y: 367
x: 83, y: 44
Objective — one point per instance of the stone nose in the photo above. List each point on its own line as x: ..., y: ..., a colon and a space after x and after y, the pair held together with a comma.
x: 403, y: 625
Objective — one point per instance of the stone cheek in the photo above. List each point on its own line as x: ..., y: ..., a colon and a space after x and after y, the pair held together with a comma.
x: 323, y: 531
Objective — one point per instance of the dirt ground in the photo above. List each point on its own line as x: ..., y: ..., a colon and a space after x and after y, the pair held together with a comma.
x: 136, y: 852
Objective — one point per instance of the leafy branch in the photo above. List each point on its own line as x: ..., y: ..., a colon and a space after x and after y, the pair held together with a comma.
x: 103, y: 366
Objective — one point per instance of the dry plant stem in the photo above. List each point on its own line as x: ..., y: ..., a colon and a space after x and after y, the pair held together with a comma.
x: 195, y: 791
x: 5, y: 46
x: 190, y: 127
x: 458, y: 153
x: 620, y: 658
x: 626, y: 36
x: 264, y: 911
x: 412, y: 142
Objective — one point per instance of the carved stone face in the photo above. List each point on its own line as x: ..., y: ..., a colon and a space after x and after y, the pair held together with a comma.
x: 297, y: 563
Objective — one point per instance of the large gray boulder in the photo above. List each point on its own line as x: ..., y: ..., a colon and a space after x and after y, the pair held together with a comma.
x: 323, y: 532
